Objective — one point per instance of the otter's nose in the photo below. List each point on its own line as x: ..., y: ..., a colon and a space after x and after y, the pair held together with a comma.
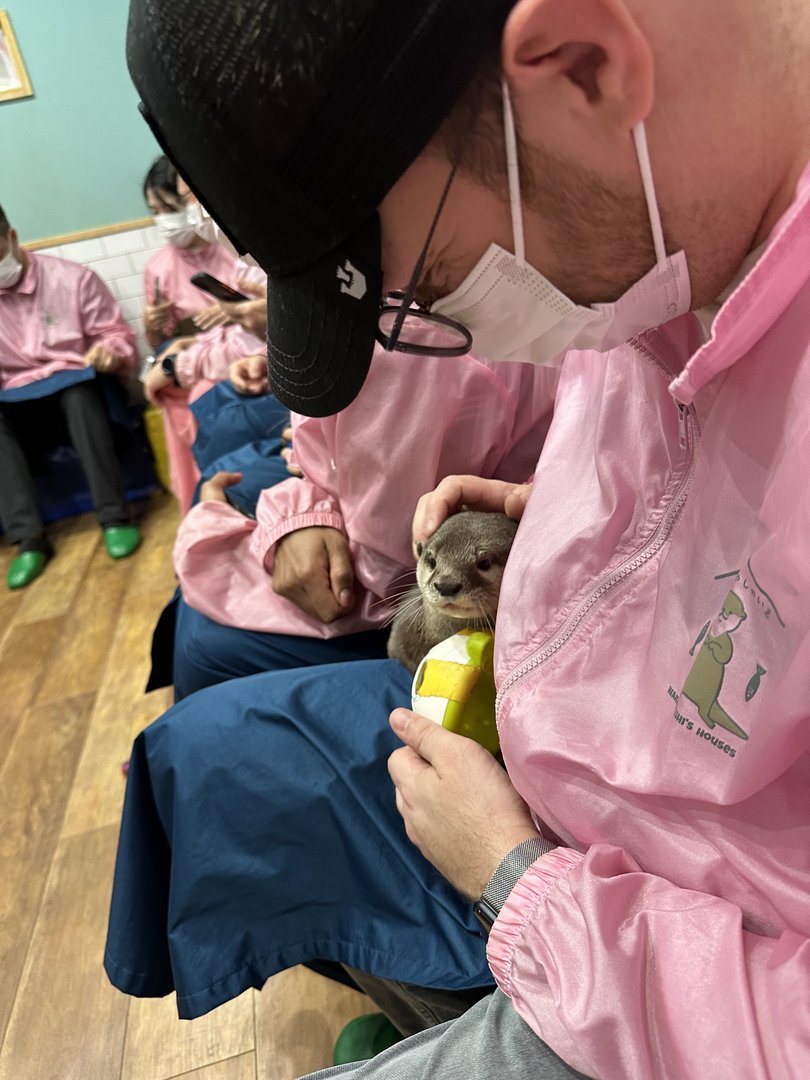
x: 447, y: 587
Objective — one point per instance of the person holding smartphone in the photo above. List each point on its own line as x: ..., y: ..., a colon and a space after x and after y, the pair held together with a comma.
x: 174, y: 306
x: 195, y: 339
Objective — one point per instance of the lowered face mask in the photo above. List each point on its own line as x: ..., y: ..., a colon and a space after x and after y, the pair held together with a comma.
x: 175, y: 229
x: 10, y: 271
x: 515, y: 313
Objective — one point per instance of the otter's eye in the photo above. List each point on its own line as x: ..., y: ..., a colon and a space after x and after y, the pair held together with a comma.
x: 430, y: 562
x: 484, y: 564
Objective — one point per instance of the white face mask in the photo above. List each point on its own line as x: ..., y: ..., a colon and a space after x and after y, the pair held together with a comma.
x: 175, y: 228
x: 10, y: 271
x: 201, y: 222
x: 205, y: 226
x: 515, y: 313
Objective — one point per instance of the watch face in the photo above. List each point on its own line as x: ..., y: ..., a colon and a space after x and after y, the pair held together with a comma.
x: 485, y: 914
x: 167, y: 366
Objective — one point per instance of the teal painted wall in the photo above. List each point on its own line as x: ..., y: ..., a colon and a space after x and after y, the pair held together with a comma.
x: 73, y: 156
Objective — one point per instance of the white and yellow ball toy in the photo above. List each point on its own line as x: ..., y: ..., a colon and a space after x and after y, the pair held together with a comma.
x: 454, y: 686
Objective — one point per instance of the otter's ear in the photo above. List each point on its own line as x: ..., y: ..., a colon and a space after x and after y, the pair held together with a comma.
x: 420, y: 547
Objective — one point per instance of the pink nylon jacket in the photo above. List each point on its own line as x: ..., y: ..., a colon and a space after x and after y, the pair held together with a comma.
x: 416, y: 420
x: 653, y: 663
x: 52, y: 317
x: 168, y: 275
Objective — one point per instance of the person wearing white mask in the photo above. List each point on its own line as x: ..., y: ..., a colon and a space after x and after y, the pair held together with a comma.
x: 641, y: 867
x: 174, y: 307
x: 196, y: 340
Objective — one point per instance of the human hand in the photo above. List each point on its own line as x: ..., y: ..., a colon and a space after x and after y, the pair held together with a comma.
x: 256, y: 290
x: 286, y: 452
x: 472, y: 492
x: 101, y: 359
x: 155, y: 381
x: 210, y: 317
x: 156, y: 318
x: 213, y: 490
x: 248, y: 374
x: 313, y: 569
x: 250, y: 314
x: 458, y: 804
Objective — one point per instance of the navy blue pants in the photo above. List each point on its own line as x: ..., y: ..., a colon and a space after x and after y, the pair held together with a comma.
x: 260, y: 831
x: 206, y: 652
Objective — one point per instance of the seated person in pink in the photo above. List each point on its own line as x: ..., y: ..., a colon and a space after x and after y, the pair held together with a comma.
x: 311, y: 580
x: 59, y: 325
x: 174, y: 307
x: 196, y: 341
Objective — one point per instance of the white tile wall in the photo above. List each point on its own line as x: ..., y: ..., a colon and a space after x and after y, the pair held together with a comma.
x: 119, y: 259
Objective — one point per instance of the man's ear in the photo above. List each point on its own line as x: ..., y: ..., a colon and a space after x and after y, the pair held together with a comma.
x: 585, y: 59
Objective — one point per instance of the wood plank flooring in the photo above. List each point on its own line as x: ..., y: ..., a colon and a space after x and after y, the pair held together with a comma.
x: 74, y: 657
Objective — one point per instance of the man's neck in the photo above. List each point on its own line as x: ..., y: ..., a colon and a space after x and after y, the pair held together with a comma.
x: 789, y: 125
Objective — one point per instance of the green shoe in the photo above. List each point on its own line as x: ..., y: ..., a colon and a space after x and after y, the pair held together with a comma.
x: 121, y: 540
x: 364, y: 1038
x: 25, y: 567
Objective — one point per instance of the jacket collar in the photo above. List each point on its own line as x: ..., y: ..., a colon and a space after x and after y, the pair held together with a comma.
x: 758, y: 301
x: 28, y: 282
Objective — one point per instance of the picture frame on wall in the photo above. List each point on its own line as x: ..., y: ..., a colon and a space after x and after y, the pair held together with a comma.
x: 14, y: 81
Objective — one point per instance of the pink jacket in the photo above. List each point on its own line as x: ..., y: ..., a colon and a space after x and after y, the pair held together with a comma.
x: 415, y: 421
x: 52, y: 317
x: 653, y: 664
x: 212, y: 354
x: 171, y: 268
x: 202, y: 364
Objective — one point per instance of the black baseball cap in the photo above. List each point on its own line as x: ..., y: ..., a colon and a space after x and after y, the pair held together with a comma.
x: 291, y: 120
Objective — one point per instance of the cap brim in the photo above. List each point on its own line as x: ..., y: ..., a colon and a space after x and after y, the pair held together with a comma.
x: 322, y: 323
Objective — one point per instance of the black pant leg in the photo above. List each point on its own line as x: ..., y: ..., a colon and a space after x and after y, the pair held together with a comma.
x: 19, y: 510
x: 89, y: 430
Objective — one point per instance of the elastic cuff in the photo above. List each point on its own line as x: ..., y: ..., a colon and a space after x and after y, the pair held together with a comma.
x: 185, y: 369
x: 520, y: 908
x: 265, y: 539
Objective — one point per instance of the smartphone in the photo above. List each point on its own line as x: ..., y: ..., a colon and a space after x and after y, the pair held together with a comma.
x: 158, y: 297
x: 218, y: 289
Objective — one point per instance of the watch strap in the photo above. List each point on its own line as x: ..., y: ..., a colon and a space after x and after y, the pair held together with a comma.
x: 508, y: 872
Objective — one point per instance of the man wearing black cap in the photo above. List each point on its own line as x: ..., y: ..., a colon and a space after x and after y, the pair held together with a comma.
x: 494, y: 163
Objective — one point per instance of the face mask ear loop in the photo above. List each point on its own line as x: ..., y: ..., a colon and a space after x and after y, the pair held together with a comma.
x: 643, y: 155
x: 513, y: 175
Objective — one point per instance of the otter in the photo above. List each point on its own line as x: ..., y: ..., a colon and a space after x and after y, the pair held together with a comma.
x: 458, y: 576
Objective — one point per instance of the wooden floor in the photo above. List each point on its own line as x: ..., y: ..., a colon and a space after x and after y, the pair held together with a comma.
x: 73, y: 662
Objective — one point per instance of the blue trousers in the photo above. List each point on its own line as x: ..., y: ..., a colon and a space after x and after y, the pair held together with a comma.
x: 239, y: 433
x: 206, y: 652
x: 260, y: 831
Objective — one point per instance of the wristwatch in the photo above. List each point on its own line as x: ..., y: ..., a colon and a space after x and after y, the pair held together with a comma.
x: 514, y: 866
x: 167, y: 367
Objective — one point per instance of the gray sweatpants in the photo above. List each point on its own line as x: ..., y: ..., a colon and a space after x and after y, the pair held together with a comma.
x: 489, y: 1042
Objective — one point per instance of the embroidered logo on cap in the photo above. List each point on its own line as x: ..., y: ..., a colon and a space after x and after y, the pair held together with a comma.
x: 352, y: 282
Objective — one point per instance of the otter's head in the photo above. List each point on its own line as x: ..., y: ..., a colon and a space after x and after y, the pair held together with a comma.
x: 460, y: 567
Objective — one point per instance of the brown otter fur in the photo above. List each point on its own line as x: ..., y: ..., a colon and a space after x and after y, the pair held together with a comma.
x: 458, y: 582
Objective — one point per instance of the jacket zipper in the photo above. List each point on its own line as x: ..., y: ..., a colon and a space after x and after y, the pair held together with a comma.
x: 687, y: 432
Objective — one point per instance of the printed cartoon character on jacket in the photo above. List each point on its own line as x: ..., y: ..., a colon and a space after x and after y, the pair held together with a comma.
x: 705, y: 679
